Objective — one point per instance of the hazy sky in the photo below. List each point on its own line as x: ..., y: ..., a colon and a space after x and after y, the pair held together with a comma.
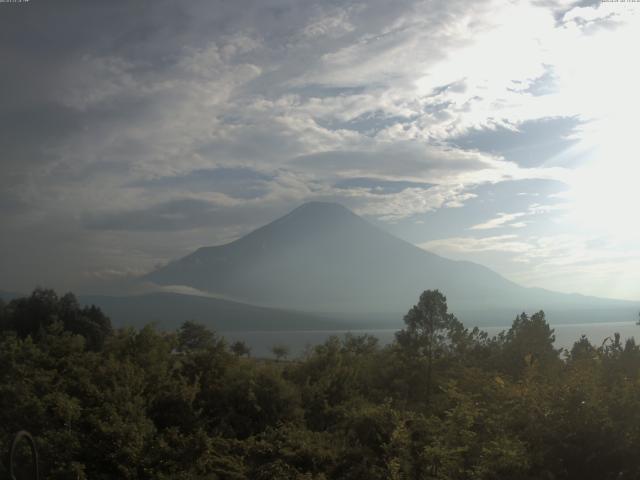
x: 501, y: 132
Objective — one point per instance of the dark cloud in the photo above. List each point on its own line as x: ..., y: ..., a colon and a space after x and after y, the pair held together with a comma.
x: 11, y: 204
x: 184, y: 214
x: 241, y: 183
x: 27, y: 134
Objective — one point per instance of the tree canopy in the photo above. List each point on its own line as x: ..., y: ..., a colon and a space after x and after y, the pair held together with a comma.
x: 185, y: 405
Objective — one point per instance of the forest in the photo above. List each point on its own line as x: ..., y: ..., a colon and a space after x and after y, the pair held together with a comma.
x: 440, y: 402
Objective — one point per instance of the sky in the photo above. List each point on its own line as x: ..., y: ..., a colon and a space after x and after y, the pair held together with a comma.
x: 502, y: 132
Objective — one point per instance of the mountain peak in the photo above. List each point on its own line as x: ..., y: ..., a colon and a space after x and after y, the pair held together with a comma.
x: 321, y: 208
x: 320, y: 205
x: 314, y: 215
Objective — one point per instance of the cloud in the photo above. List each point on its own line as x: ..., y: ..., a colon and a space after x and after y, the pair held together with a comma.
x: 183, y: 215
x: 507, y: 219
x: 590, y: 19
x: 545, y: 84
x: 332, y: 24
x: 499, y: 243
x: 503, y: 219
x: 378, y: 186
x: 218, y: 101
x: 175, y: 215
x: 410, y: 202
x: 235, y: 182
x: 537, y: 142
x: 388, y: 46
x: 400, y: 160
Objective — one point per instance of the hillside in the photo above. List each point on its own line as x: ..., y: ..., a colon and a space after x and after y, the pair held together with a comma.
x: 169, y: 310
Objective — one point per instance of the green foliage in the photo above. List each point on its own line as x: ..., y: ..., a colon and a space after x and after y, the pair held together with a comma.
x: 441, y: 402
x: 431, y: 334
x: 281, y: 352
x: 240, y: 349
x: 528, y: 343
x: 34, y: 315
x: 195, y: 336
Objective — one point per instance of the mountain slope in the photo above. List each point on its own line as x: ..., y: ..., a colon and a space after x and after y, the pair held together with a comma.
x: 321, y: 257
x: 169, y: 310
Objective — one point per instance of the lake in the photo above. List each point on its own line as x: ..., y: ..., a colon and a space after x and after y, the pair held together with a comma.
x: 261, y: 342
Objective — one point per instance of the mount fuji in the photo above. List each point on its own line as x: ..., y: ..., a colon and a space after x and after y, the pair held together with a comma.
x: 323, y: 258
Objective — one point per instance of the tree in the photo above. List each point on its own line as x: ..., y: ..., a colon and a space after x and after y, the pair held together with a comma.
x: 3, y: 316
x: 582, y: 350
x: 29, y: 316
x: 89, y: 322
x: 35, y: 315
x: 429, y: 327
x: 529, y: 342
x: 281, y: 352
x: 195, y: 336
x: 240, y: 348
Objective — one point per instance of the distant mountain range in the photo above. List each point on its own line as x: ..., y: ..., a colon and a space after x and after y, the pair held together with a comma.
x: 324, y: 259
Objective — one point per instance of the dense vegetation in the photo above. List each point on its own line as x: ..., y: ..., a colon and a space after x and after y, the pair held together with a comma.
x: 441, y: 402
